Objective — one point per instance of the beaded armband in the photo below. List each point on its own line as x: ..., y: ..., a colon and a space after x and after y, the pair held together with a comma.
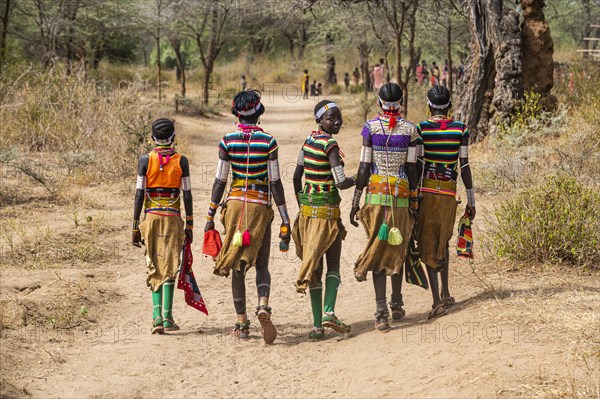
x: 283, y: 212
x: 135, y: 226
x: 189, y: 221
x: 471, y: 197
x: 212, y: 211
x: 413, y: 199
x: 356, y: 198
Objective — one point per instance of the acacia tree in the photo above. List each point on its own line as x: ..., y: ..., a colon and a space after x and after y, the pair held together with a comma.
x: 153, y: 22
x: 493, y: 71
x: 401, y: 21
x: 207, y: 26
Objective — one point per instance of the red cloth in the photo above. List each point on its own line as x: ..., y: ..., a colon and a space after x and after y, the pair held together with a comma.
x: 212, y: 243
x: 187, y: 281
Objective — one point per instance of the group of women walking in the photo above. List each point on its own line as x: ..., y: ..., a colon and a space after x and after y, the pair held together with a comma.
x: 407, y: 175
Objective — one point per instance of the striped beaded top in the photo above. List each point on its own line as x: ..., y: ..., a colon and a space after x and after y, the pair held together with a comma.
x: 317, y: 169
x: 441, y: 140
x: 248, y: 149
x: 390, y: 145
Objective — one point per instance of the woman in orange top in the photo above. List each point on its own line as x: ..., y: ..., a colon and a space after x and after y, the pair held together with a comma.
x: 162, y: 175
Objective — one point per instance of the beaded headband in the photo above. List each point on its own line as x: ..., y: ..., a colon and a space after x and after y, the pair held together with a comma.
x: 251, y: 111
x: 168, y: 140
x: 435, y: 106
x: 389, y: 105
x: 325, y: 108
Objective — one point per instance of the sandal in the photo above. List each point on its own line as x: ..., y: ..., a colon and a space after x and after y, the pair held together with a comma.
x: 242, y: 330
x: 437, y: 311
x: 157, y: 326
x: 398, y: 312
x: 170, y: 325
x: 448, y: 302
x: 381, y: 321
x: 268, y: 329
x: 317, y: 333
x: 330, y: 320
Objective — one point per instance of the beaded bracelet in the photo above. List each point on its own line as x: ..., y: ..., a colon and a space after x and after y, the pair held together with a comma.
x: 135, y: 226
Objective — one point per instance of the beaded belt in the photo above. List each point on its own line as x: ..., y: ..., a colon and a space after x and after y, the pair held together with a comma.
x: 253, y: 184
x: 320, y: 212
x: 439, y: 187
x: 386, y: 200
x: 397, y: 187
x: 256, y: 196
x: 320, y: 199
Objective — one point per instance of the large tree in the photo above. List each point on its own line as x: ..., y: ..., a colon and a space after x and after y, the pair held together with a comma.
x: 493, y: 71
x: 207, y: 25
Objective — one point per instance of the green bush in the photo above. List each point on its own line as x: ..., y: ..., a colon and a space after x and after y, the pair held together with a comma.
x: 555, y: 221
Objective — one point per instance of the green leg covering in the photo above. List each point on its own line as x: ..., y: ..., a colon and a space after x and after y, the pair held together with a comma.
x: 332, y: 282
x: 157, y: 303
x: 316, y: 303
x: 168, y: 288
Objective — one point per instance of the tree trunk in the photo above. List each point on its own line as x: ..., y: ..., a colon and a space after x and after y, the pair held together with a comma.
x: 206, y: 84
x: 449, y: 55
x: 587, y: 29
x: 398, y: 56
x: 329, y: 44
x: 509, y: 74
x: 480, y: 69
x: 537, y: 51
x: 291, y: 44
x: 176, y: 44
x: 158, y: 65
x: 3, y: 46
x: 363, y: 54
x: 412, y: 22
x: 386, y: 63
x: 302, y: 41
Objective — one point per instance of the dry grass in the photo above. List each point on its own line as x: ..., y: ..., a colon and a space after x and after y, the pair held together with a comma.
x: 70, y: 130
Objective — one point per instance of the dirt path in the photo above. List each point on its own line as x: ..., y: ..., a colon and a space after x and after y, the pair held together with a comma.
x: 526, y: 336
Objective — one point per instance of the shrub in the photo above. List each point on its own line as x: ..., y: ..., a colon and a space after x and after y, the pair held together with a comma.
x: 555, y: 221
x: 59, y: 124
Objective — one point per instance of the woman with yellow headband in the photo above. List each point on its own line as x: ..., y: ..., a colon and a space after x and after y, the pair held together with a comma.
x: 318, y: 229
x: 388, y: 171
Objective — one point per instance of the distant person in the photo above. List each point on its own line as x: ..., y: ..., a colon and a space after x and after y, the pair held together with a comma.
x: 425, y: 71
x: 356, y: 76
x: 461, y: 72
x: 313, y: 88
x: 445, y: 73
x: 347, y: 81
x: 419, y: 73
x: 378, y: 76
x: 243, y: 82
x: 305, y: 80
x: 319, y: 89
x: 435, y: 74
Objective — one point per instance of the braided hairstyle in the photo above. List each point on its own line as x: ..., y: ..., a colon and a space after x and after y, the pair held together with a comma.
x: 391, y: 92
x: 246, y: 101
x: 439, y: 96
x: 163, y: 129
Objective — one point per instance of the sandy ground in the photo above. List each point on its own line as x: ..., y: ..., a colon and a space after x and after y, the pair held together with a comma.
x: 525, y: 333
